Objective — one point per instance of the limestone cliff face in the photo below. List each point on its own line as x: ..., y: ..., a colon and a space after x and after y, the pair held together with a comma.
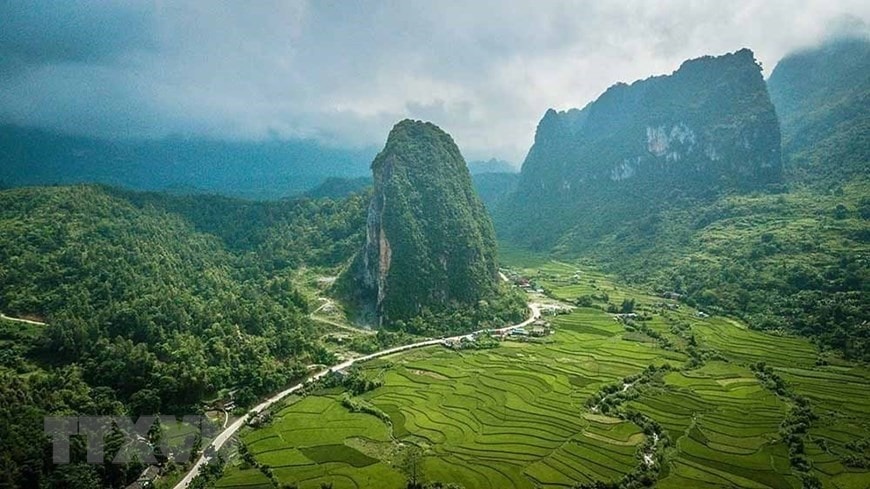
x: 710, y: 122
x: 707, y: 128
x: 429, y: 242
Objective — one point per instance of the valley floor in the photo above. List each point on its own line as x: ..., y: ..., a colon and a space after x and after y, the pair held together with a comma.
x: 520, y: 415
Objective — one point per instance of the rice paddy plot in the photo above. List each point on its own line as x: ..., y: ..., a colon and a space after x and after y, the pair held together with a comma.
x: 517, y: 416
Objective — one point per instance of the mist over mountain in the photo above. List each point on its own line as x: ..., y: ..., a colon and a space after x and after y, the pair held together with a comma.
x: 822, y: 96
x: 260, y: 170
x: 707, y: 128
x: 491, y: 165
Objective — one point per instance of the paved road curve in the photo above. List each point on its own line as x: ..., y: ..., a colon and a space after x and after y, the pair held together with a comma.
x: 231, y: 430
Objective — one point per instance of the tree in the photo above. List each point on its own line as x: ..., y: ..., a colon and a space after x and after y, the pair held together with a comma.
x: 410, y: 464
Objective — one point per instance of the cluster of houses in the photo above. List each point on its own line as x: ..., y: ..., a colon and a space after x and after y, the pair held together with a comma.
x: 520, y: 281
x: 537, y: 329
x: 555, y: 309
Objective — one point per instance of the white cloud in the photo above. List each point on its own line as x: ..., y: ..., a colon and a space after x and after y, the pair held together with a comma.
x: 345, y: 72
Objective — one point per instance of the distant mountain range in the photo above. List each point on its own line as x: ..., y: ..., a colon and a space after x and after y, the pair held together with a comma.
x: 491, y: 165
x: 255, y: 170
x: 259, y: 170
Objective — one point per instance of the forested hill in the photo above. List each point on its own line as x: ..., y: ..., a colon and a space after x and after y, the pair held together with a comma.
x: 789, y: 257
x: 256, y: 169
x: 706, y: 129
x: 152, y: 302
x: 822, y: 96
x: 429, y: 241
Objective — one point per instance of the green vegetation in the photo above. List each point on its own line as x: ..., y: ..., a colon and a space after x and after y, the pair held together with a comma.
x: 783, y: 257
x: 430, y: 243
x: 501, y: 308
x: 493, y: 188
x: 707, y: 128
x: 136, y: 303
x: 270, y: 236
x: 591, y: 408
x: 781, y: 262
x: 822, y: 97
x: 152, y: 303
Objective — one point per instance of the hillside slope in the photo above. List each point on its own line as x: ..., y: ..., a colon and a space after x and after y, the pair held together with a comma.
x: 153, y: 302
x: 429, y: 241
x: 822, y: 96
x: 706, y: 129
x: 785, y: 257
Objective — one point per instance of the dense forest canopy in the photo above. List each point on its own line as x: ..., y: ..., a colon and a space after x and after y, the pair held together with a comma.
x: 152, y: 303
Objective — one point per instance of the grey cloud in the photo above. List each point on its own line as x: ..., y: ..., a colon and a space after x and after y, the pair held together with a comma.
x: 344, y: 72
x: 38, y: 32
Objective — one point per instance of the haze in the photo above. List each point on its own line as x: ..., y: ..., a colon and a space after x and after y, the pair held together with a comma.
x: 344, y: 72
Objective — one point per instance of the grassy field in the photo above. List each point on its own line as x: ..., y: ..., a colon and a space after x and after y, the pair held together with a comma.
x: 517, y: 416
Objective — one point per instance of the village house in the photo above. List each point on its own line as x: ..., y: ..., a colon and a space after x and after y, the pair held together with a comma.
x: 624, y: 316
x: 519, y: 332
x: 146, y: 478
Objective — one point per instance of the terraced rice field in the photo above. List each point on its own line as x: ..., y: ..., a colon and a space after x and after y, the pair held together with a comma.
x: 516, y: 416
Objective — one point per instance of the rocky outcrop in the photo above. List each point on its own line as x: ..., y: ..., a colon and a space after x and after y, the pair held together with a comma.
x: 707, y: 128
x: 429, y: 242
x: 710, y: 122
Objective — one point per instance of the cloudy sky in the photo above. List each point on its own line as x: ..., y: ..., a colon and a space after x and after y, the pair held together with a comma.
x: 345, y: 71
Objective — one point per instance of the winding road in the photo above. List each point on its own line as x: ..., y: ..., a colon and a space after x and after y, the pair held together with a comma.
x: 231, y: 430
x: 20, y: 320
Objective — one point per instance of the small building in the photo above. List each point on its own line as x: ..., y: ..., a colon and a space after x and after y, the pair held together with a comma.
x: 702, y: 314
x: 339, y: 374
x: 452, y: 343
x: 540, y: 328
x: 146, y: 478
x: 519, y: 332
x: 624, y: 316
x: 539, y: 331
